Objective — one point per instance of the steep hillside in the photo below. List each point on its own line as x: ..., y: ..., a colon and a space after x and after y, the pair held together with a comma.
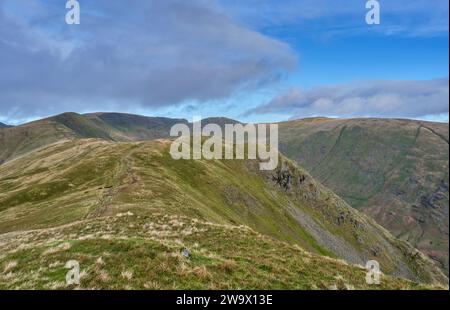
x: 393, y: 170
x: 85, y: 184
x: 22, y: 139
x: 128, y: 127
x: 3, y: 125
x: 16, y: 141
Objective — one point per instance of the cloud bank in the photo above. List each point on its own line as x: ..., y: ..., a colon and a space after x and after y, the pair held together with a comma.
x: 363, y: 99
x: 147, y: 53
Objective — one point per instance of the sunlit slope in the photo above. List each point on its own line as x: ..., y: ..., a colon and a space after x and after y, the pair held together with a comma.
x: 23, y: 139
x: 20, y: 140
x: 85, y: 179
x: 393, y: 170
x: 143, y: 250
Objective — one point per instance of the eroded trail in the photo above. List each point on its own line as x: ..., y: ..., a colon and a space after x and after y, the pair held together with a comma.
x: 122, y: 177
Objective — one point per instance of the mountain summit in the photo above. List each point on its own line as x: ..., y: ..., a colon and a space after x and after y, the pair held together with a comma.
x: 68, y: 177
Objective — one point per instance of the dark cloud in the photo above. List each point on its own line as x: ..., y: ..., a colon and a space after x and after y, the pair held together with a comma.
x: 371, y: 98
x: 126, y: 54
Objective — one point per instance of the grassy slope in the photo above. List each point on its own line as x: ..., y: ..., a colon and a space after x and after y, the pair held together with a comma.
x: 82, y: 180
x: 19, y: 140
x: 129, y: 127
x: 123, y: 127
x: 394, y: 170
x: 142, y: 250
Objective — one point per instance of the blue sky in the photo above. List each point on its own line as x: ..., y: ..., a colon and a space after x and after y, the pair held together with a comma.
x: 255, y: 60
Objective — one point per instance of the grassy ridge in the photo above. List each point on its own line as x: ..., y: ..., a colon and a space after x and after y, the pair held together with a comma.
x: 19, y: 140
x: 96, y: 178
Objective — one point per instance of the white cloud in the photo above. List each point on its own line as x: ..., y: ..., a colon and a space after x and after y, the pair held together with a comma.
x: 361, y: 99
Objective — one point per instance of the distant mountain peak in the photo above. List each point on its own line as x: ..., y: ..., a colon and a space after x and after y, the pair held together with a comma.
x: 219, y: 121
x: 2, y: 125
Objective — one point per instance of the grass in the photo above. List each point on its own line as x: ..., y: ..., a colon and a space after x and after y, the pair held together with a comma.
x: 113, y: 254
x: 384, y: 168
x: 222, y: 206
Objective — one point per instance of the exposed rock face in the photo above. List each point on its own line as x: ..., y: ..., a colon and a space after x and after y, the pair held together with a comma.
x: 341, y: 229
x: 283, y: 179
x: 395, y: 171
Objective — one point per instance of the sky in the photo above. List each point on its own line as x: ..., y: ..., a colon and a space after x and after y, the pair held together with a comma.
x: 252, y: 60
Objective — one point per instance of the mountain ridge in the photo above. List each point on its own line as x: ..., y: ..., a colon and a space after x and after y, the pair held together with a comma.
x: 414, y: 210
x: 4, y: 125
x: 81, y: 179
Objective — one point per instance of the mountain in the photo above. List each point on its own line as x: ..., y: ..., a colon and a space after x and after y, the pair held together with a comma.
x: 330, y: 149
x: 126, y: 210
x: 21, y: 139
x: 120, y: 127
x: 128, y: 127
x: 394, y: 170
x: 3, y: 125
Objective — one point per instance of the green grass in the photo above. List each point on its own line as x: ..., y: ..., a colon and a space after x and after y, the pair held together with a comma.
x: 105, y: 179
x: 114, y: 256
